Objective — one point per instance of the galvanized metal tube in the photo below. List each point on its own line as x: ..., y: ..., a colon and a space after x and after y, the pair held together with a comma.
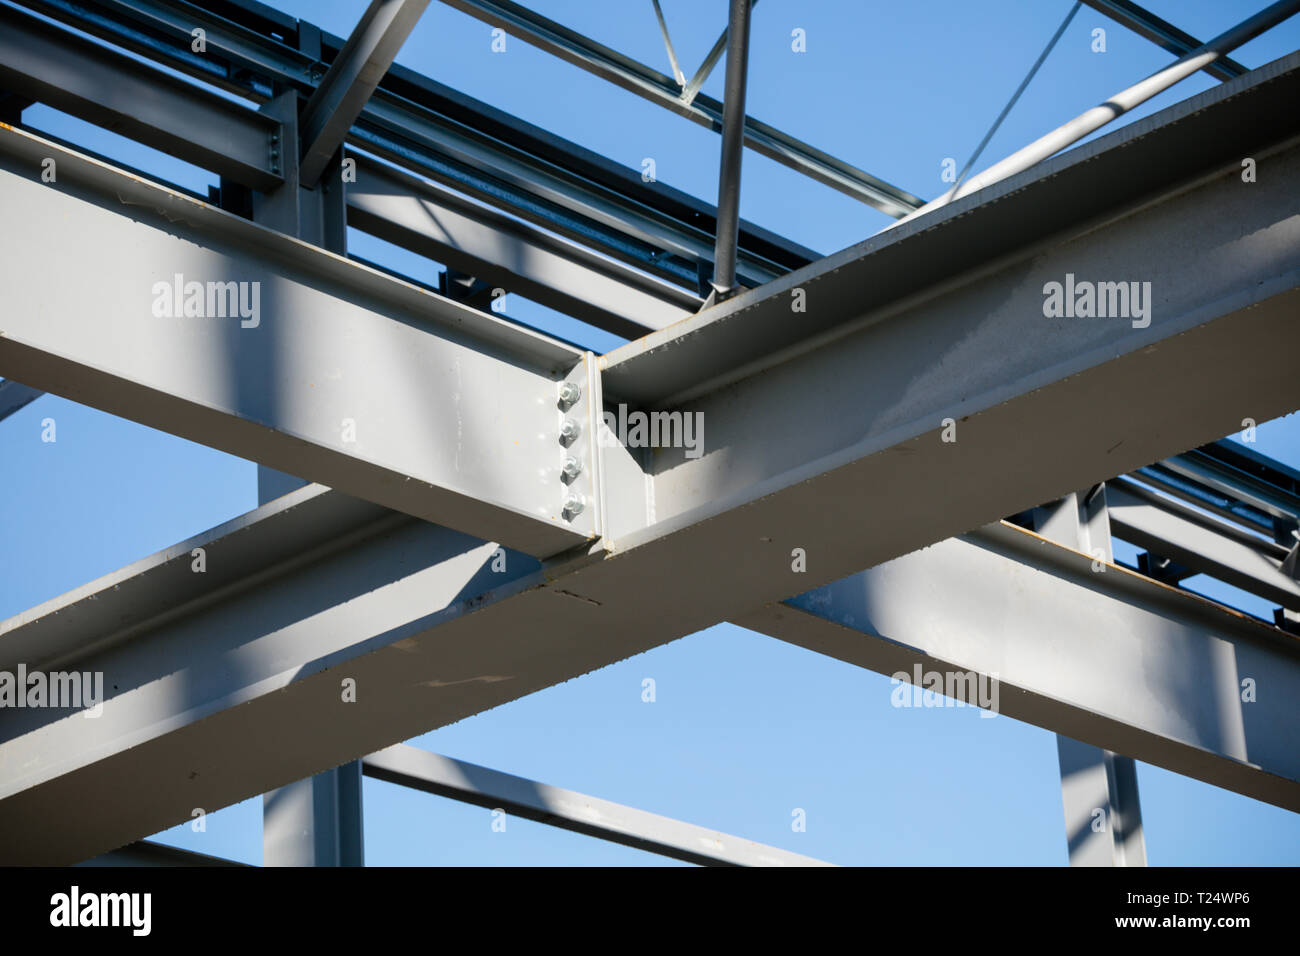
x: 1117, y: 105
x: 733, y: 144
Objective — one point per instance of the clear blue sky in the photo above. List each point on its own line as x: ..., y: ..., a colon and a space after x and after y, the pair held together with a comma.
x: 744, y: 728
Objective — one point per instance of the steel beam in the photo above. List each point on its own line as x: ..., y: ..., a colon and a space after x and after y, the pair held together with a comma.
x: 1163, y: 34
x: 112, y: 90
x: 1099, y: 790
x: 1107, y: 656
x: 423, y: 217
x: 443, y: 134
x: 654, y: 86
x: 14, y: 397
x: 1201, y: 543
x: 469, y: 783
x: 351, y: 79
x: 148, y: 853
x: 435, y: 633
x: 1083, y: 125
x: 346, y: 375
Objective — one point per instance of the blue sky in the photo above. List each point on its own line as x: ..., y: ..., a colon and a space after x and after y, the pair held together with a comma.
x: 744, y: 728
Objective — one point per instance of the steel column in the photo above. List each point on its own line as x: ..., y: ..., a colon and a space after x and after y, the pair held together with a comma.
x: 1103, y: 817
x: 733, y: 148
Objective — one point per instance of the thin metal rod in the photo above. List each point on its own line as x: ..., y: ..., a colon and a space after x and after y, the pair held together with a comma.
x: 668, y: 44
x: 733, y: 147
x: 1042, y: 57
x: 706, y: 68
x: 1117, y: 105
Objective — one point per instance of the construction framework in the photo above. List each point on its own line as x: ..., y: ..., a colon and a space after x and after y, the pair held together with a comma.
x: 489, y: 482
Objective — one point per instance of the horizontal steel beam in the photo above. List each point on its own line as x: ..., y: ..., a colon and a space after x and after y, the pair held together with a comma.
x: 441, y: 133
x: 1201, y: 543
x: 133, y: 99
x: 351, y: 79
x: 469, y: 783
x: 1163, y: 34
x: 518, y: 257
x: 1106, y: 656
x: 654, y: 86
x: 329, y: 370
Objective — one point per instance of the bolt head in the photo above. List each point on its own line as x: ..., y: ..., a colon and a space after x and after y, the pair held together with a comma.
x: 570, y: 430
x: 569, y: 393
x: 571, y: 468
x: 573, y: 505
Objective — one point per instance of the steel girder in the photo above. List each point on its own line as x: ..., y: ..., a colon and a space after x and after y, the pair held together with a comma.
x: 1086, y: 648
x: 416, y: 612
x: 459, y: 141
x: 351, y: 376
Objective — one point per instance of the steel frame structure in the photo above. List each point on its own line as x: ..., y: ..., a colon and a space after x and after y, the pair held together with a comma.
x: 484, y: 491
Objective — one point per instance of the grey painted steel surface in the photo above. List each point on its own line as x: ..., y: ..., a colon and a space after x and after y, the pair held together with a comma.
x: 1103, y: 818
x: 1099, y: 791
x: 518, y: 796
x: 14, y: 397
x: 134, y: 99
x: 1202, y: 543
x: 421, y: 216
x: 317, y: 821
x: 733, y: 149
x: 1094, y: 119
x: 1162, y: 33
x: 652, y: 85
x: 351, y: 79
x: 454, y: 412
x: 437, y: 637
x: 1115, y: 175
x: 1108, y: 657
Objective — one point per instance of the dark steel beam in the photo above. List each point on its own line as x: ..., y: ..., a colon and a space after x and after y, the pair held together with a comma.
x: 112, y: 90
x: 443, y: 134
x: 14, y: 397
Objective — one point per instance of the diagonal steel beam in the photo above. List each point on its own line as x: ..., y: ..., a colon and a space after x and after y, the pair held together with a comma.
x: 14, y: 397
x: 409, y: 766
x: 1163, y: 34
x: 352, y: 77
